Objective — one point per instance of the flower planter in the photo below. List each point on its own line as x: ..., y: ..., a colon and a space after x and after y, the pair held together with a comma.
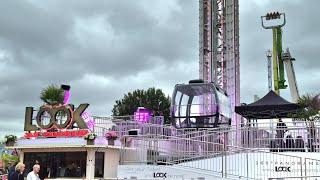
x: 111, y: 136
x: 111, y: 142
x: 90, y: 138
x: 90, y: 142
x: 10, y: 143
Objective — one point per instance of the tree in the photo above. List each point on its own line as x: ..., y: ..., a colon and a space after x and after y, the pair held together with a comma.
x: 311, y: 108
x: 9, y: 158
x: 52, y: 95
x: 310, y: 113
x: 152, y: 98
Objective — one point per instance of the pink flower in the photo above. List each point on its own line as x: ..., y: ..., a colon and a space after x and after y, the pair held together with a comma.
x: 111, y: 135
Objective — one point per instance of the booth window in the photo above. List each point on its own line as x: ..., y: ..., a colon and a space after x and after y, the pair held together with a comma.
x: 57, y: 164
x: 99, y: 165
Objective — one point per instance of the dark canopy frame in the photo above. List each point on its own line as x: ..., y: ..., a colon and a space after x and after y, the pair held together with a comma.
x: 271, y: 106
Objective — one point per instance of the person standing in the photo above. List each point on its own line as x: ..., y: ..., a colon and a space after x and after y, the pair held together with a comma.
x: 34, y: 174
x: 18, y: 174
x: 280, y: 131
x: 42, y: 173
x: 12, y: 169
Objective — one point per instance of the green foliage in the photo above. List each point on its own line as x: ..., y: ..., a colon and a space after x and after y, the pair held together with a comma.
x: 7, y: 158
x: 152, y: 98
x: 10, y: 138
x: 90, y: 136
x: 52, y: 95
x: 310, y: 111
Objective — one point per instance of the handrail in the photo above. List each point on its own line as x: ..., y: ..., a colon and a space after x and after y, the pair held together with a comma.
x: 192, y: 146
x: 183, y: 159
x: 199, y: 141
x: 251, y: 137
x: 298, y: 177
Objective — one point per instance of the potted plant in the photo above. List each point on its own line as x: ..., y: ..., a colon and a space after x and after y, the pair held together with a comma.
x: 9, y: 140
x: 90, y: 138
x: 111, y: 137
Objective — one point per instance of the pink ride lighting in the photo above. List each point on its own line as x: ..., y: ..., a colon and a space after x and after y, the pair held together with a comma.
x: 142, y: 115
x: 66, y: 99
x: 88, y: 119
x: 67, y: 94
x: 85, y: 115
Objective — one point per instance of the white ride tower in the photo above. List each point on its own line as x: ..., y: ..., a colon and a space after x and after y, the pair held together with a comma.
x: 287, y: 59
x: 219, y: 49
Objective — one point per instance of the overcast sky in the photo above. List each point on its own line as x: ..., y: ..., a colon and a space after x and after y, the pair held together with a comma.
x: 104, y: 49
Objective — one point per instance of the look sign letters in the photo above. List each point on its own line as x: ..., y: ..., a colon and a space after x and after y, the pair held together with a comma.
x: 55, y: 117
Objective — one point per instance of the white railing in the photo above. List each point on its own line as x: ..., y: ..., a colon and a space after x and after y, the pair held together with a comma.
x: 289, y: 139
x: 216, y: 158
x: 275, y: 139
x: 298, y: 177
x: 213, y: 151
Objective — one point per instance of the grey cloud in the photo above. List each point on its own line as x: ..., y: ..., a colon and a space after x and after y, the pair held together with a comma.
x: 44, y: 49
x: 104, y: 49
x: 300, y: 34
x: 127, y: 20
x: 25, y: 27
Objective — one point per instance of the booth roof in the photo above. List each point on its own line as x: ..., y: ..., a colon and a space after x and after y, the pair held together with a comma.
x: 269, y: 107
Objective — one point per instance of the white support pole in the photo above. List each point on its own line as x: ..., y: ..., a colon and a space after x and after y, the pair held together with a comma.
x: 287, y: 59
x: 269, y: 56
x: 21, y: 156
x: 90, y: 163
x: 111, y: 163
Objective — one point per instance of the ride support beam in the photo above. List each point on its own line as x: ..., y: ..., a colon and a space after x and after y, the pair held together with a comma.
x: 275, y: 62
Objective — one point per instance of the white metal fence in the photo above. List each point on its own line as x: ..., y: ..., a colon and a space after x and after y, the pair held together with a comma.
x: 264, y: 151
x: 269, y: 136
x: 216, y: 158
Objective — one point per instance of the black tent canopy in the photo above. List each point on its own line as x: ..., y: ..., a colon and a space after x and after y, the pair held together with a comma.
x: 271, y: 106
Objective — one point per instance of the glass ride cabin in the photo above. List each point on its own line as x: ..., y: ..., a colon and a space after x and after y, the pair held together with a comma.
x: 200, y: 105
